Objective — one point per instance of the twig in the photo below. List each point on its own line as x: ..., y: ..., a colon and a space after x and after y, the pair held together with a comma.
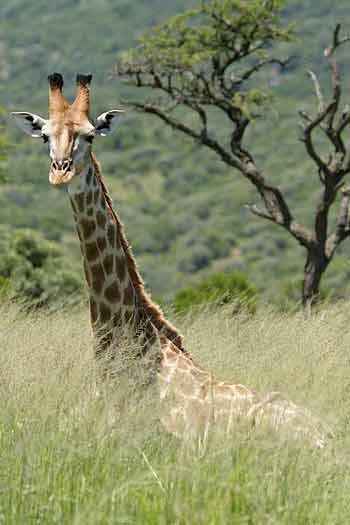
x: 318, y: 91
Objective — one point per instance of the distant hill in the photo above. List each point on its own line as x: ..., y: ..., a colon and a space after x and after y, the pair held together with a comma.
x: 184, y: 211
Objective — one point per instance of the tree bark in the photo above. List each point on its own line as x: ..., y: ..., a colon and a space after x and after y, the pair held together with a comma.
x: 315, y: 266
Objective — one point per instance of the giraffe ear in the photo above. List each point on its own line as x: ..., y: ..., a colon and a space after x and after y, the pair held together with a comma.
x: 29, y: 123
x: 107, y: 121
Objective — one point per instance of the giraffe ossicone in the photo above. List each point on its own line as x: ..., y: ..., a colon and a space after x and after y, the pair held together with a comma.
x: 192, y: 400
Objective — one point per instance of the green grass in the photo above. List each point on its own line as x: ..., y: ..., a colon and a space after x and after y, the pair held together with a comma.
x: 74, y: 450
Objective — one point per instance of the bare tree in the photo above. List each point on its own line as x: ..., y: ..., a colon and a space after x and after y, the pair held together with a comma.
x: 207, y: 59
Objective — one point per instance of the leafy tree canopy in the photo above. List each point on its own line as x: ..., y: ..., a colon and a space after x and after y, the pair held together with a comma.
x: 198, y: 49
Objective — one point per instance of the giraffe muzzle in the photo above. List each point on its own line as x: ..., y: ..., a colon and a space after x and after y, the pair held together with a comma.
x: 61, y: 172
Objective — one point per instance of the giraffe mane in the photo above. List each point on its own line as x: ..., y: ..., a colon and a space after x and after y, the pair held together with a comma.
x: 163, y: 326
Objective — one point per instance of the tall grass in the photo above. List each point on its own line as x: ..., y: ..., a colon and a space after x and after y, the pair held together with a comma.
x: 78, y: 450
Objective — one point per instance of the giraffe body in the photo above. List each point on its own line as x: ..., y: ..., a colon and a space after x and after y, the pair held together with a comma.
x: 192, y: 399
x: 194, y: 402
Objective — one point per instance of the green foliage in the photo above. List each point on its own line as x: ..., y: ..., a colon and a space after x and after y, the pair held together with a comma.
x: 217, y: 289
x: 183, y: 210
x: 33, y: 270
x: 216, y: 36
x: 195, y: 37
x: 250, y: 102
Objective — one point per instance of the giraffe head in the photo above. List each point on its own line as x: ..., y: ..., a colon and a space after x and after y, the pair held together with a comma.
x: 69, y: 131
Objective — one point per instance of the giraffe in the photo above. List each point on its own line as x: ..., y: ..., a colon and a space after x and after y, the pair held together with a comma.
x: 116, y: 292
x: 192, y: 400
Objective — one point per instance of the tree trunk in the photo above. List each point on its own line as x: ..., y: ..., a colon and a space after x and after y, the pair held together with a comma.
x: 315, y: 266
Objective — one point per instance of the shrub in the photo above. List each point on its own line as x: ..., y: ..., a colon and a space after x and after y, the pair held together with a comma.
x: 33, y: 269
x: 217, y: 290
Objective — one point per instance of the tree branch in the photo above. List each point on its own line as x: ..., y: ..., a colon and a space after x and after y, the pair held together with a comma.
x: 259, y: 213
x: 168, y: 65
x: 200, y: 136
x: 333, y: 171
x: 276, y: 206
x: 298, y: 231
x: 325, y: 118
x: 342, y: 229
x: 318, y: 91
x: 337, y: 42
x: 263, y: 63
x: 308, y: 140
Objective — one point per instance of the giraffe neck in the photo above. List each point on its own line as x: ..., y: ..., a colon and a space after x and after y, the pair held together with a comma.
x: 116, y: 292
x: 114, y: 302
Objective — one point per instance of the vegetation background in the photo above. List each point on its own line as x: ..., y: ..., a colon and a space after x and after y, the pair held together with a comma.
x: 184, y: 212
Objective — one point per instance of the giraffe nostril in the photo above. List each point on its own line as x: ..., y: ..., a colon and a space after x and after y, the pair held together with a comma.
x: 62, y: 165
x: 67, y: 164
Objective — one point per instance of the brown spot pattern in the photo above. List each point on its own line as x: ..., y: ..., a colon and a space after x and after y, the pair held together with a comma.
x: 91, y: 251
x: 105, y: 313
x: 102, y: 243
x: 112, y: 293
x: 88, y: 177
x: 108, y: 264
x: 129, y: 295
x: 90, y: 212
x: 88, y: 227
x: 121, y: 268
x: 89, y: 198
x: 111, y: 234
x: 96, y: 195
x: 93, y: 311
x: 97, y: 278
x: 101, y: 219
x: 80, y: 201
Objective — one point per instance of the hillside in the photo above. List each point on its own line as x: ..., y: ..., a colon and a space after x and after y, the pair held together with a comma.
x: 184, y: 212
